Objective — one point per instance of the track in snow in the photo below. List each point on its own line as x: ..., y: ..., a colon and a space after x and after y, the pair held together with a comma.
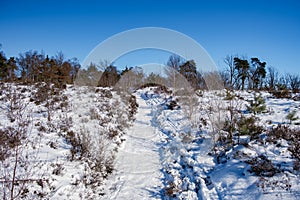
x: 138, y: 163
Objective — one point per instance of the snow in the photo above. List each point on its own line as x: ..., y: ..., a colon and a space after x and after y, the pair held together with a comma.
x: 159, y: 154
x: 138, y: 164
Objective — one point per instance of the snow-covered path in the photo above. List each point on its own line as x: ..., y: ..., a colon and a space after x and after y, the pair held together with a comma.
x: 138, y: 163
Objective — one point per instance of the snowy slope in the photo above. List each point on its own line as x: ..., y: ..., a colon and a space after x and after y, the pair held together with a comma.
x: 189, y: 172
x: 69, y: 156
x: 96, y: 147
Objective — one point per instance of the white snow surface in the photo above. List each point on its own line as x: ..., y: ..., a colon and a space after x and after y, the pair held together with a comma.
x: 160, y: 155
x: 138, y: 174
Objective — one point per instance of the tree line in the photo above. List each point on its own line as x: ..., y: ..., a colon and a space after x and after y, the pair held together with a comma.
x: 32, y: 67
x: 253, y: 74
x: 239, y: 73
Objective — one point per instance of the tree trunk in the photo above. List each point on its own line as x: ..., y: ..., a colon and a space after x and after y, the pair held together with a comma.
x: 14, y: 174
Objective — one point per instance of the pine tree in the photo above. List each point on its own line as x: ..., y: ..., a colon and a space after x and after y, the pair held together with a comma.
x: 292, y: 116
x: 11, y: 68
x: 257, y: 105
x: 189, y: 71
x: 258, y: 74
x: 243, y: 70
x: 3, y: 66
x: 109, y: 77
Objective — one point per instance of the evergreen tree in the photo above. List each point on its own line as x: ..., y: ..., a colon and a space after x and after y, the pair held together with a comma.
x: 189, y: 71
x: 292, y: 116
x: 3, y: 66
x: 11, y: 69
x: 109, y: 77
x: 258, y: 73
x: 126, y: 70
x: 243, y: 70
x: 257, y: 105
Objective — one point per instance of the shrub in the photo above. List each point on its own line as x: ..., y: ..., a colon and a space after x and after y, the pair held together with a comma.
x: 278, y: 132
x: 229, y: 95
x: 230, y: 126
x: 292, y: 116
x: 262, y: 166
x: 94, y: 114
x: 172, y: 105
x: 112, y: 133
x: 93, y: 151
x: 295, y: 145
x: 133, y: 106
x: 291, y: 136
x: 9, y: 139
x: 162, y: 89
x: 282, y: 182
x: 247, y: 126
x: 171, y: 190
x: 103, y: 161
x: 41, y: 94
x: 79, y: 146
x: 274, y: 134
x: 104, y: 93
x: 58, y: 168
x: 257, y: 105
x: 284, y: 93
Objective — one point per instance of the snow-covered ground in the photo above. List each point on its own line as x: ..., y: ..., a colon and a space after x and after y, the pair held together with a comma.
x: 94, y: 146
x: 67, y: 155
x: 137, y: 173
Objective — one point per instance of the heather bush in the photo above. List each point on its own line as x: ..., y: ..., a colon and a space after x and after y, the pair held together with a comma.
x: 262, y: 166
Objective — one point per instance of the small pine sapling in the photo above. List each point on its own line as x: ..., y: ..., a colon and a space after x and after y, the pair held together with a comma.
x: 292, y: 116
x: 229, y: 95
x: 247, y: 126
x: 257, y: 105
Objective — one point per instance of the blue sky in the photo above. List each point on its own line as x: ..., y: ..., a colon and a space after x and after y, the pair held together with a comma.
x: 267, y: 29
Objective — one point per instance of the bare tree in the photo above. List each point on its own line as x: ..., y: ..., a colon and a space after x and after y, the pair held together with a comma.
x: 294, y: 82
x: 173, y: 78
x: 89, y: 76
x: 175, y: 62
x: 103, y: 64
x: 189, y: 104
x: 272, y: 78
x: 230, y: 70
x: 213, y: 81
x: 283, y: 82
x: 59, y: 58
x: 130, y: 79
x: 215, y: 113
x: 30, y: 65
x: 173, y: 68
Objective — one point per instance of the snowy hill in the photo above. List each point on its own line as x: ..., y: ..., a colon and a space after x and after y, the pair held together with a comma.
x: 96, y: 143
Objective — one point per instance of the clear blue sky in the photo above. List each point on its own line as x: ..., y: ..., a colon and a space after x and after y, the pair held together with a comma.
x: 267, y: 29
